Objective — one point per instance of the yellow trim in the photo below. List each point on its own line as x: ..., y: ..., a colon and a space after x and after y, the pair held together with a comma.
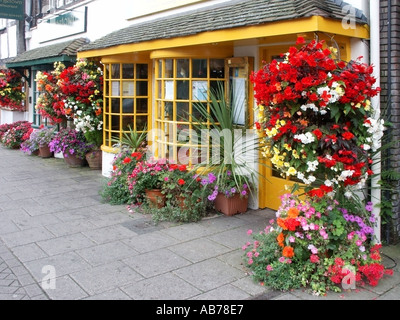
x: 110, y: 149
x: 219, y: 37
x: 203, y: 52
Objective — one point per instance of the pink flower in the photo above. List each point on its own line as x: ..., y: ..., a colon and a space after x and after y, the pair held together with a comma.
x: 269, y: 268
x: 250, y: 262
x: 288, y: 261
x: 282, y: 259
x: 249, y: 254
x: 249, y: 232
x: 166, y: 179
x: 314, y: 258
x: 256, y: 254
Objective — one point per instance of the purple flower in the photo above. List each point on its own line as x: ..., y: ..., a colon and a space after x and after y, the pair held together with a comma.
x: 244, y: 192
x: 233, y: 190
x: 228, y: 173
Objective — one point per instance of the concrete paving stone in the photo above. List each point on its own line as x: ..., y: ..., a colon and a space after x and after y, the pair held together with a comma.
x: 11, y: 276
x: 221, y: 223
x: 26, y: 279
x: 7, y: 255
x: 105, y: 253
x: 4, y: 198
x: 40, y: 297
x: 112, y: 295
x: 13, y: 205
x: 199, y: 249
x: 75, y: 214
x: 29, y: 252
x: 209, y: 274
x: 234, y: 259
x: 7, y: 290
x: 12, y: 214
x: 156, y: 262
x: 33, y: 290
x: 286, y: 296
x: 64, y: 264
x: 70, y: 227
x: 65, y: 244
x: 106, y: 277
x: 19, y: 270
x: 150, y: 241
x: 392, y: 294
x: 29, y: 222
x: 234, y: 238
x: 187, y: 232
x: 108, y: 208
x: 163, y: 287
x: 227, y: 292
x: 108, y: 219
x: 13, y: 262
x: 9, y: 297
x: 9, y: 190
x: 66, y: 289
x: 248, y: 285
x: 8, y: 226
x: 82, y: 202
x: 26, y: 236
x: 42, y: 209
x: 6, y: 282
x: 109, y: 234
x: 358, y: 294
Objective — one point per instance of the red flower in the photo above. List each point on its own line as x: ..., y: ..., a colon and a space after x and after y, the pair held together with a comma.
x: 127, y: 160
x: 318, y: 133
x: 181, y: 182
x: 347, y: 135
x: 258, y: 126
x: 314, y: 258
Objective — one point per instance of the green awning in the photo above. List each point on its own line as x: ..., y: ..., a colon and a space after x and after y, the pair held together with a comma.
x: 63, y: 52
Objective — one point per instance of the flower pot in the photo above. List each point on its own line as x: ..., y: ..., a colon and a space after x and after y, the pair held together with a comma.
x: 231, y: 206
x: 73, y: 161
x: 95, y: 159
x: 44, y: 151
x: 156, y: 198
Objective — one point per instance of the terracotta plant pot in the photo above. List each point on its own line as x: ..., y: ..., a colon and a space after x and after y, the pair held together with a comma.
x: 231, y: 206
x: 73, y: 161
x: 156, y: 198
x: 95, y: 159
x: 44, y: 151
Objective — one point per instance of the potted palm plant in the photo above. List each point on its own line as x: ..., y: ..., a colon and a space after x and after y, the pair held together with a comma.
x: 233, y: 174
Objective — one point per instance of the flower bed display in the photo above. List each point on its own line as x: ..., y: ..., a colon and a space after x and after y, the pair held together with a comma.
x: 318, y: 126
x: 11, y: 90
x: 14, y: 134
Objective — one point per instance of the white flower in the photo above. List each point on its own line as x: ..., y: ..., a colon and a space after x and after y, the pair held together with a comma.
x: 312, y: 166
x: 305, y: 138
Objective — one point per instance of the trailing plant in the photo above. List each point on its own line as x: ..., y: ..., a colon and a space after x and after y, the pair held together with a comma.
x: 11, y: 94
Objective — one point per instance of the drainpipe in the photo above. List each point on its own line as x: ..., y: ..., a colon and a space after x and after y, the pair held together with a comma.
x: 375, y: 61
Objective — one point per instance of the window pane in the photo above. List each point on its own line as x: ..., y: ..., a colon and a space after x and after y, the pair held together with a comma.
x: 141, y: 88
x: 127, y: 121
x: 107, y: 88
x: 107, y: 123
x: 197, y: 115
x: 115, y: 88
x: 182, y: 68
x: 168, y: 110
x: 160, y: 68
x: 141, y: 105
x: 127, y: 71
x: 169, y: 68
x: 199, y: 90
x: 169, y: 90
x: 141, y: 123
x: 199, y: 68
x: 107, y: 106
x: 216, y: 84
x: 115, y: 71
x: 107, y: 75
x: 115, y: 123
x: 182, y: 92
x: 127, y: 106
x: 141, y: 71
x: 182, y: 110
x: 128, y: 88
x: 115, y: 107
x: 217, y: 68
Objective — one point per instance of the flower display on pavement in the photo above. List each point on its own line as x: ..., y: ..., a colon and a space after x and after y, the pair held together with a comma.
x: 12, y: 95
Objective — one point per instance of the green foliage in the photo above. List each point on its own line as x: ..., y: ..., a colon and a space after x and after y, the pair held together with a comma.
x: 132, y: 140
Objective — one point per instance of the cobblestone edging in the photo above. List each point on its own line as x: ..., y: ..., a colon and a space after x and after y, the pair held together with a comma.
x: 16, y: 283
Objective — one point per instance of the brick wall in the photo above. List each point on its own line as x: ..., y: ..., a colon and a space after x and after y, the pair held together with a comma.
x: 390, y: 97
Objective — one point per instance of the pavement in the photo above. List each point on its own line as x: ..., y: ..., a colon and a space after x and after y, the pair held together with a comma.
x: 58, y: 241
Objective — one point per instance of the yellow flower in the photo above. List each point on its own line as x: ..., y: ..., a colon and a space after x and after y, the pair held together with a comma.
x: 261, y: 108
x: 291, y: 171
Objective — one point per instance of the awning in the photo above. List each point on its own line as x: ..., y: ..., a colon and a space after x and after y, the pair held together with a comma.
x: 63, y: 52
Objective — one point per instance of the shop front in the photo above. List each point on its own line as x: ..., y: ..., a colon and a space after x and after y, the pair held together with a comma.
x: 157, y: 75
